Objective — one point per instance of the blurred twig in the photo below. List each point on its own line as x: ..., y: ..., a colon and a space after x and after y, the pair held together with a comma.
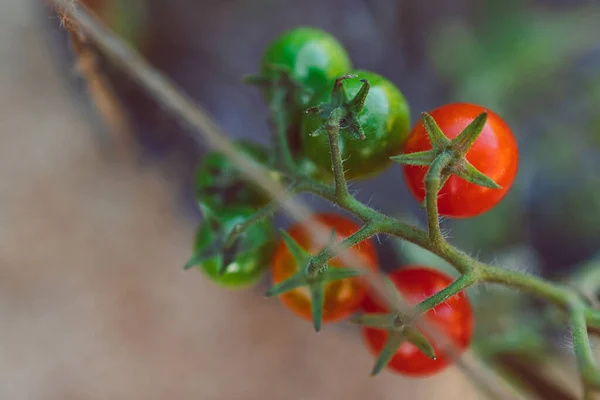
x: 98, y: 87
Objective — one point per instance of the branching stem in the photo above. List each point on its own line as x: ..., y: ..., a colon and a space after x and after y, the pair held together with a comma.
x: 581, y: 315
x: 341, y: 187
x: 433, y: 181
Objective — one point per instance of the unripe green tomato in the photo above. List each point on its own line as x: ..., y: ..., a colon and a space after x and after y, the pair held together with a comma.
x: 219, y: 182
x: 385, y: 121
x: 314, y: 58
x: 251, y: 256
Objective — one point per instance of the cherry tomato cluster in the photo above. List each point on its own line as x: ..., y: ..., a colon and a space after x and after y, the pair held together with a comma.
x: 307, y: 76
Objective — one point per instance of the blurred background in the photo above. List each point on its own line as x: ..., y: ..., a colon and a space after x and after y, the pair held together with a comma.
x: 97, y: 212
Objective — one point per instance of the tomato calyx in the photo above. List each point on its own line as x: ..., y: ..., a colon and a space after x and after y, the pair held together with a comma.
x: 341, y: 112
x: 222, y: 245
x: 315, y: 280
x: 454, y: 151
x: 400, y: 329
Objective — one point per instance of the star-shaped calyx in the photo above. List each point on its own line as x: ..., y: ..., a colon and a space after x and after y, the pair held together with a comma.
x: 457, y: 148
x: 342, y: 112
x: 221, y: 242
x: 399, y: 328
x: 316, y: 280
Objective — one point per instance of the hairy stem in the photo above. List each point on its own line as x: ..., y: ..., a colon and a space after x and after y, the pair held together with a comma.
x: 463, y: 282
x: 433, y: 181
x: 319, y: 262
x: 283, y: 154
x: 266, y: 212
x: 590, y: 374
x: 581, y: 316
x: 341, y: 187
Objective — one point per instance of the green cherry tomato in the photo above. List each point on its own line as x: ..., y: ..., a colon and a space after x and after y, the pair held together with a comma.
x: 219, y: 183
x: 247, y: 260
x: 385, y: 120
x: 314, y: 59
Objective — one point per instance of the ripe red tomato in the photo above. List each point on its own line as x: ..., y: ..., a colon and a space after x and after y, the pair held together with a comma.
x: 494, y: 153
x: 342, y: 297
x: 454, y: 318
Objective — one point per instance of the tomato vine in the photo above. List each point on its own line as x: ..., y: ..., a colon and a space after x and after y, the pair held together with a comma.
x: 284, y: 179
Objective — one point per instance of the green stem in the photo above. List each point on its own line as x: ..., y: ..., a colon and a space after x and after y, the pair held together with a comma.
x: 461, y: 283
x: 433, y: 181
x: 593, y: 318
x: 283, y: 154
x: 266, y: 212
x: 590, y: 374
x: 555, y: 293
x: 182, y: 106
x: 341, y: 188
x: 319, y: 262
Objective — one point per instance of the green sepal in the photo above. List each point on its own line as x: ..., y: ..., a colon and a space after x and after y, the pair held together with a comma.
x: 294, y: 282
x: 317, y: 300
x: 210, y: 218
x: 414, y: 336
x: 380, y: 321
x: 465, y: 170
x: 424, y: 158
x: 197, y: 259
x: 357, y: 104
x: 339, y: 97
x: 315, y: 282
x: 393, y: 342
x: 342, y: 113
x: 458, y: 147
x: 300, y: 255
x: 335, y: 274
x: 464, y: 141
x: 436, y: 137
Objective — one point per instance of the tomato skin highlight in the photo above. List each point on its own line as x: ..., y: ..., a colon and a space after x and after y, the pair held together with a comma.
x: 314, y: 57
x: 454, y: 318
x: 494, y: 153
x: 342, y: 297
x: 385, y: 121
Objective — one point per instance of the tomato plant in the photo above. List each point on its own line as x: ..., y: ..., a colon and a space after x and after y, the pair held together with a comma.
x: 232, y: 244
x: 494, y: 153
x: 342, y: 297
x: 384, y: 120
x: 219, y: 183
x: 248, y: 259
x: 454, y: 318
x: 314, y: 58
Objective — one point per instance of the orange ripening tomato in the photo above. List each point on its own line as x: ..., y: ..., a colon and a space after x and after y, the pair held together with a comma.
x: 342, y: 297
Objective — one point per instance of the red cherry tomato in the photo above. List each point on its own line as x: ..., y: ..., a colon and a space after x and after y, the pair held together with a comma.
x: 342, y: 297
x: 494, y: 153
x: 454, y: 318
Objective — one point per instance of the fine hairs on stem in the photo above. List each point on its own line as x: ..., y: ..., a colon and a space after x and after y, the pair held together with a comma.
x: 580, y: 315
